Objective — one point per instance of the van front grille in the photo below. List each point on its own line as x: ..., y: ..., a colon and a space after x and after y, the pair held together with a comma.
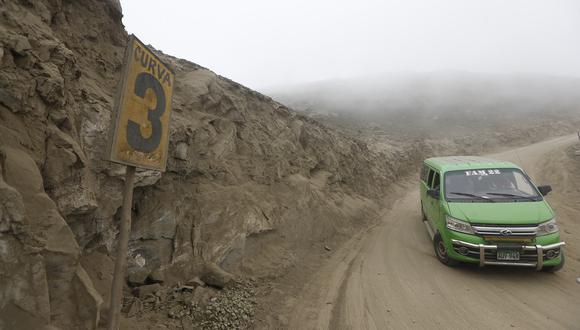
x: 505, y: 231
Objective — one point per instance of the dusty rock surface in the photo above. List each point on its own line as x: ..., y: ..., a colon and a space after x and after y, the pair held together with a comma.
x: 248, y: 182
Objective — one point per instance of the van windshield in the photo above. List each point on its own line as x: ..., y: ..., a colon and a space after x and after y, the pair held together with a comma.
x: 490, y: 184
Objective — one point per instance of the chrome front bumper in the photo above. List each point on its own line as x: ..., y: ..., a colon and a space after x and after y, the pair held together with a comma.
x: 539, y: 249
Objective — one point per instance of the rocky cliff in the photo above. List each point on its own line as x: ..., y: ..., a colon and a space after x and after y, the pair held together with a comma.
x: 245, y: 175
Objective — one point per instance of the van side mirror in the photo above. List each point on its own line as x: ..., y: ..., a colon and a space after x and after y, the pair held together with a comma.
x: 544, y: 190
x: 434, y: 193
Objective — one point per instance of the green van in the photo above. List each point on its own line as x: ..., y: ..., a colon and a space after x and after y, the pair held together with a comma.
x: 486, y: 211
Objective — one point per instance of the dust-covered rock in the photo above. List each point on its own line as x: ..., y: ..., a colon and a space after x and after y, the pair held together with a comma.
x: 146, y: 290
x: 215, y: 276
x: 138, y: 276
x: 195, y: 282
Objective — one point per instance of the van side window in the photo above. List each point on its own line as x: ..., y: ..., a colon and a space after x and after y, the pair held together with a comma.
x: 436, y: 181
x: 424, y: 173
x: 430, y: 179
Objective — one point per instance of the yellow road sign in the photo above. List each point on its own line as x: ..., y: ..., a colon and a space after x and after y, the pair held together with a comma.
x: 143, y: 108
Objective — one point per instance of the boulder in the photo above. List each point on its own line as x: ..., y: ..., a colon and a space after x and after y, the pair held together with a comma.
x: 137, y: 276
x: 157, y: 276
x: 181, y: 151
x: 146, y: 290
x: 195, y: 282
x: 215, y: 276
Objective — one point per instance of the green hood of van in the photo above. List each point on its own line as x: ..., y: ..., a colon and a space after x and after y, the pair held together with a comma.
x: 520, y: 213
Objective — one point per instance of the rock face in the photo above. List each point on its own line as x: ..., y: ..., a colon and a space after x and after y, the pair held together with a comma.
x: 248, y: 184
x: 42, y: 278
x: 243, y: 170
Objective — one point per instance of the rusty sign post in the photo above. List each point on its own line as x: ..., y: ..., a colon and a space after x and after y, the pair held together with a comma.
x: 140, y: 138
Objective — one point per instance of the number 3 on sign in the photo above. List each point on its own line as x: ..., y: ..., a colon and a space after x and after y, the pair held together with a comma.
x: 143, y: 107
x: 135, y: 138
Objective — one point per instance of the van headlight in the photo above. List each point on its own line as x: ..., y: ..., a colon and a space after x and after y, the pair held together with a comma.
x: 458, y: 225
x: 548, y: 227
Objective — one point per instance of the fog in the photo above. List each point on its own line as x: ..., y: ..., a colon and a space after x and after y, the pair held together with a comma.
x: 436, y: 103
x: 435, y: 92
x: 262, y: 43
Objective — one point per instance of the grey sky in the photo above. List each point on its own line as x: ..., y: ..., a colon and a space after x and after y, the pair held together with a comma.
x: 261, y: 43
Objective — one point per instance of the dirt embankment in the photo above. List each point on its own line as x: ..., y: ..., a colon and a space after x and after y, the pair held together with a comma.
x: 249, y: 185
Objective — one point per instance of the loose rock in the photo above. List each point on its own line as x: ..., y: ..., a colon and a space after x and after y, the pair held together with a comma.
x: 196, y: 281
x: 145, y: 290
x: 156, y: 276
x: 215, y: 276
x: 135, y: 308
x: 138, y: 276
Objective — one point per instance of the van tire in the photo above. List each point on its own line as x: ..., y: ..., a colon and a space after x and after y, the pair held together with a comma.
x: 556, y: 268
x: 441, y: 252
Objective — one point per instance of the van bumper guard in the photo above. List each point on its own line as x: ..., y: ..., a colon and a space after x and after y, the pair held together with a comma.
x: 539, y: 249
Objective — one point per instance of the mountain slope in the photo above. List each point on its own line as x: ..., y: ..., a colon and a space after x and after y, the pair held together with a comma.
x: 243, y: 170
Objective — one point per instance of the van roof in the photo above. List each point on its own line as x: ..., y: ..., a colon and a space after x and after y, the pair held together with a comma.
x: 455, y: 163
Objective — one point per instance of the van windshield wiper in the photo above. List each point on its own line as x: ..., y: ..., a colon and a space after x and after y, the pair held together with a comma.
x: 512, y: 195
x: 471, y: 195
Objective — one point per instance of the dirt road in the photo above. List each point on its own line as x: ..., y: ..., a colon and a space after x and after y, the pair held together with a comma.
x: 388, y: 277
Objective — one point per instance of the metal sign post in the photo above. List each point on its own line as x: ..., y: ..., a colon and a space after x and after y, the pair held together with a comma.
x: 140, y: 138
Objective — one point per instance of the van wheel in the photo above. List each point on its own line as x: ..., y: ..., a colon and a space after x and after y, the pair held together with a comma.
x: 441, y: 252
x: 556, y: 268
x: 423, y: 216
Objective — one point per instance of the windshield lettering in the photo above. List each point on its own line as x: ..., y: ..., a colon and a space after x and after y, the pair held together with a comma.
x: 482, y: 172
x: 507, y: 184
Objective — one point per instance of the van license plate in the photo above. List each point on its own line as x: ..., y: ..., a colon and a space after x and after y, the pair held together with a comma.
x: 508, y: 255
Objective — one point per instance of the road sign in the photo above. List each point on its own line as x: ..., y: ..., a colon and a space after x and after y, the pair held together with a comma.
x: 143, y: 108
x: 140, y: 139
